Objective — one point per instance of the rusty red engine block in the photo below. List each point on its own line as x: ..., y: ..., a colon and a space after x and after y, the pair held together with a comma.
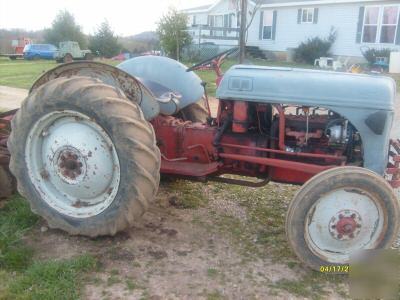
x: 252, y: 139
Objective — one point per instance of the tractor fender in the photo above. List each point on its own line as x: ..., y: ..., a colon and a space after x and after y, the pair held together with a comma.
x: 169, y: 73
x: 131, y: 86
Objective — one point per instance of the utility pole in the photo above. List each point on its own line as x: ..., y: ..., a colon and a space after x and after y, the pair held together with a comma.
x: 242, y: 36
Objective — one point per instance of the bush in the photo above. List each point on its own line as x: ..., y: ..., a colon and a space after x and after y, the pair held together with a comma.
x: 371, y: 54
x: 314, y: 48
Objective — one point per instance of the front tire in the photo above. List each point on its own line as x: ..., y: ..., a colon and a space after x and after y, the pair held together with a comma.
x: 84, y: 156
x: 339, y: 212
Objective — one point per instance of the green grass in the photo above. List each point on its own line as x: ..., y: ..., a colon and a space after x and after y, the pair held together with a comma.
x: 16, y: 219
x: 23, y: 278
x: 50, y: 280
x: 22, y: 73
x: 212, y: 273
x: 188, y: 195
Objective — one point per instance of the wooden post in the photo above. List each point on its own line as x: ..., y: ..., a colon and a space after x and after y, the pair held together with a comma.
x: 242, y: 35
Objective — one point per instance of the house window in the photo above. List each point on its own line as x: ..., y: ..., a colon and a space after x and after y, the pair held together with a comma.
x: 389, y: 24
x: 194, y: 20
x: 267, y: 25
x: 307, y: 15
x: 371, y: 18
x: 380, y: 24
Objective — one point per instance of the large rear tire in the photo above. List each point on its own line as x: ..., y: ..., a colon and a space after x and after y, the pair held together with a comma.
x: 7, y: 183
x: 339, y: 212
x: 84, y: 156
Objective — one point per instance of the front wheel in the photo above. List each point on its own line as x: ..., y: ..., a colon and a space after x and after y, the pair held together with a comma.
x: 84, y: 156
x: 339, y: 212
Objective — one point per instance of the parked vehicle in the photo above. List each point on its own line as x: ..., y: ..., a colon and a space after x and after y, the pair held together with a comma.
x: 90, y: 141
x: 70, y: 51
x: 39, y: 51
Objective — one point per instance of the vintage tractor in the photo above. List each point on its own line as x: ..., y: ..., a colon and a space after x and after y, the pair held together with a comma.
x: 90, y: 141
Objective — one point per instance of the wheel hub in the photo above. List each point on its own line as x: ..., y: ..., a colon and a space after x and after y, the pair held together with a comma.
x: 345, y: 225
x: 71, y: 165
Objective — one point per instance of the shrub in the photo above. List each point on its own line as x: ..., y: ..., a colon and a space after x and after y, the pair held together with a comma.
x: 314, y: 48
x: 371, y: 54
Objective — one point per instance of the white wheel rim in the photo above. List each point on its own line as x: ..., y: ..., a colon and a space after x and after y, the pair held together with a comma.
x: 342, y: 222
x: 73, y: 164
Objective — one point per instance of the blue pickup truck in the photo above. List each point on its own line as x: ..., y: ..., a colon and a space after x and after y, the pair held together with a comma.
x: 39, y: 51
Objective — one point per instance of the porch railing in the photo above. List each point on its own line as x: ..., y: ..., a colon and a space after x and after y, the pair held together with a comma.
x: 214, y: 33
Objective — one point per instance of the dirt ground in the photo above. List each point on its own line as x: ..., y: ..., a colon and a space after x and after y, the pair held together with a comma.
x: 177, y: 253
x: 11, y: 98
x: 208, y: 251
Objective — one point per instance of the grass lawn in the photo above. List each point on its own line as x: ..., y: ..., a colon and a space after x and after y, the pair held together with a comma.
x: 22, y: 73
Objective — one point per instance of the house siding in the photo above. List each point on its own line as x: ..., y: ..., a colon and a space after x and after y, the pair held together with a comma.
x: 343, y: 17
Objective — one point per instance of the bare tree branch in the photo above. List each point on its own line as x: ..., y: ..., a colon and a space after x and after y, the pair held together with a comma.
x: 253, y: 14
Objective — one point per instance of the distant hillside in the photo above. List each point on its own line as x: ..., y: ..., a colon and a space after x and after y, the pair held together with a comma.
x: 145, y: 36
x: 139, y: 43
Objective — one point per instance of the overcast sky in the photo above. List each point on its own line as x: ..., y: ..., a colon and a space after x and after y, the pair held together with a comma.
x: 125, y: 17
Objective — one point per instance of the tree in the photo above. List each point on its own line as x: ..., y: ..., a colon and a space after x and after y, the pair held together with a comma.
x: 172, y: 30
x: 104, y: 41
x: 64, y: 28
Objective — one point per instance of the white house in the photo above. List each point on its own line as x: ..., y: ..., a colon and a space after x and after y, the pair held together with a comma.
x: 282, y: 24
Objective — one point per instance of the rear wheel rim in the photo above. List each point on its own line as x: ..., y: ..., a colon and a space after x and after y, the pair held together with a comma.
x: 343, y: 222
x: 73, y: 164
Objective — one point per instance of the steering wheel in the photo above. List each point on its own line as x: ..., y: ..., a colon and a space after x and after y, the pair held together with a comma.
x: 209, y: 61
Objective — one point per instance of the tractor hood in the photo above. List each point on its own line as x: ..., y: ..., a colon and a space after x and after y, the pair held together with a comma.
x: 368, y: 102
x: 307, y: 87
